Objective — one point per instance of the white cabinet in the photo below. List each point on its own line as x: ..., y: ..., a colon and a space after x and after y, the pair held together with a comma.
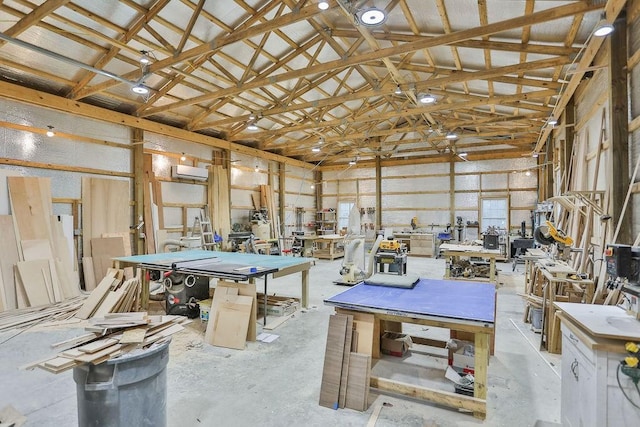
x: 590, y: 392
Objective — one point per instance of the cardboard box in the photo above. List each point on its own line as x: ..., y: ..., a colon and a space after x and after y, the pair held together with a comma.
x: 462, y: 359
x: 395, y: 344
x: 278, y: 306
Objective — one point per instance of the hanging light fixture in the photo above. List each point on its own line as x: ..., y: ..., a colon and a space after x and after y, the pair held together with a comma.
x: 451, y: 135
x: 603, y: 28
x: 140, y: 89
x: 463, y: 154
x: 352, y: 162
x: 50, y: 131
x: 313, y: 186
x: 144, y: 58
x: 426, y: 98
x: 534, y: 155
x: 371, y: 16
x: 183, y: 157
x: 256, y: 168
x: 321, y: 140
x: 398, y: 91
x: 552, y: 121
x: 316, y: 149
x: 323, y: 5
x: 528, y: 173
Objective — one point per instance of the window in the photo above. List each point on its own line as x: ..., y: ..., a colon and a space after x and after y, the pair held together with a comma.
x: 344, y: 209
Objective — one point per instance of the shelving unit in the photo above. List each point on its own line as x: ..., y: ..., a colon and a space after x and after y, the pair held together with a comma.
x: 326, y: 222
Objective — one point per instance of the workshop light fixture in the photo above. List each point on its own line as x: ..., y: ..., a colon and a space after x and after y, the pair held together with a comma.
x: 535, y: 155
x: 323, y: 5
x: 352, y: 162
x: 316, y: 149
x: 426, y: 98
x: 50, y: 131
x: 552, y: 121
x: 252, y: 125
x: 463, y: 154
x: 371, y: 16
x: 398, y: 91
x: 313, y: 186
x: 140, y: 89
x: 603, y: 28
x: 451, y: 135
x: 144, y: 58
x: 256, y: 169
x: 183, y: 157
x: 528, y: 173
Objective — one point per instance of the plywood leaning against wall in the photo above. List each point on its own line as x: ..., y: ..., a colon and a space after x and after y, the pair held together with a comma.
x: 105, y: 209
x: 36, y: 268
x: 218, y: 201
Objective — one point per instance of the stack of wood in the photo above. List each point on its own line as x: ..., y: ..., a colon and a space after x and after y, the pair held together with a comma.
x: 114, y: 294
x: 37, y: 264
x: 110, y: 336
x: 346, y: 374
x: 278, y: 305
x: 51, y: 314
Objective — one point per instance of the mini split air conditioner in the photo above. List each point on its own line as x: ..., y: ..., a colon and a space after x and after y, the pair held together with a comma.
x: 189, y: 172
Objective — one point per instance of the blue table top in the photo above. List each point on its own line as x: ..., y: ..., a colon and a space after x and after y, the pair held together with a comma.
x: 451, y: 299
x: 268, y: 261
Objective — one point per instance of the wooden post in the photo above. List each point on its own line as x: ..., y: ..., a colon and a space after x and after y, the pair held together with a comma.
x: 619, y: 136
x: 378, y: 193
x: 137, y: 138
x: 282, y: 198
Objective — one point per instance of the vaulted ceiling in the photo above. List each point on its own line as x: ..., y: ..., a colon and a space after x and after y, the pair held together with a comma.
x: 322, y: 86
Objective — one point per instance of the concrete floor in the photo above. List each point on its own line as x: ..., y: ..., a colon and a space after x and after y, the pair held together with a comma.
x: 278, y: 384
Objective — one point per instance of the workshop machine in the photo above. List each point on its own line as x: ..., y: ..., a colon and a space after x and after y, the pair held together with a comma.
x: 182, y: 291
x: 392, y: 253
x: 623, y: 269
x: 548, y: 234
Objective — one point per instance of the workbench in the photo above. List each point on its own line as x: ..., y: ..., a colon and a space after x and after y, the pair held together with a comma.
x: 327, y: 246
x: 240, y: 263
x: 593, y: 391
x: 456, y: 305
x: 452, y: 252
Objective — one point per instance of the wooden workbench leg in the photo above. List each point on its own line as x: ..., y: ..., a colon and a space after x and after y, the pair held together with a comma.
x: 305, y: 288
x: 481, y: 368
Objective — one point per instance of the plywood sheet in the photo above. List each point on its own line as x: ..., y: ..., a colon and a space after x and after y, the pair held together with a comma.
x: 34, y: 276
x: 358, y: 381
x: 63, y: 248
x: 36, y: 249
x: 332, y: 368
x: 104, y: 249
x: 249, y: 290
x: 105, y: 209
x: 221, y: 295
x: 5, y: 208
x: 89, y: 274
x: 8, y: 258
x: 232, y: 322
x: 96, y: 297
x: 31, y: 206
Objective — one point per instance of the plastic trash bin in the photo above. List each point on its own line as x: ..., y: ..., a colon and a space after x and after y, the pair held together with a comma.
x: 127, y: 391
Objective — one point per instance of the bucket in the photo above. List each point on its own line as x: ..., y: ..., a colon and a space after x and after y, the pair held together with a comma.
x: 536, y: 318
x: 205, y: 307
x: 127, y: 391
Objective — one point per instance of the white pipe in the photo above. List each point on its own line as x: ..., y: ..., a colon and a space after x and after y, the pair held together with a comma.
x: 374, y: 249
x: 350, y: 250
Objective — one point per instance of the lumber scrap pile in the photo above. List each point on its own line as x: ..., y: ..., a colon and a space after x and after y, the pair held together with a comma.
x: 37, y: 267
x: 111, y: 336
x: 278, y: 305
x: 25, y: 317
x: 114, y: 294
x: 346, y: 374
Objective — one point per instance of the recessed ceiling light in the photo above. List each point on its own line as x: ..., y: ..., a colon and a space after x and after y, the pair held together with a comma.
x: 371, y: 17
x: 140, y: 89
x: 323, y: 5
x: 427, y: 98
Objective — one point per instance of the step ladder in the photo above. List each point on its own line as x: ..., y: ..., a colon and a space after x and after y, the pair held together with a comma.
x: 202, y: 228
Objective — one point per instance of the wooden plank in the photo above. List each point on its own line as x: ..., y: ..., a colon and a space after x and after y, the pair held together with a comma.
x: 232, y: 322
x: 357, y: 394
x: 105, y: 209
x: 345, y: 363
x: 9, y: 251
x: 103, y: 250
x: 249, y: 290
x: 96, y: 297
x: 88, y: 273
x: 36, y: 249
x: 34, y: 282
x: 65, y: 256
x: 221, y: 295
x: 149, y: 227
x: 332, y: 368
x: 31, y: 206
x: 96, y: 346
x: 133, y: 336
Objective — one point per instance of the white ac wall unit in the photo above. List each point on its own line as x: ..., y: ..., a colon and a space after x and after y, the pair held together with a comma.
x: 189, y: 172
